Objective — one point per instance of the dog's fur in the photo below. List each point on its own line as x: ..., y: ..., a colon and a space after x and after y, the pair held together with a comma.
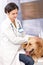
x: 34, y: 47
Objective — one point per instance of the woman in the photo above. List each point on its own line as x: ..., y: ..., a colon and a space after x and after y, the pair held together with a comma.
x: 12, y: 38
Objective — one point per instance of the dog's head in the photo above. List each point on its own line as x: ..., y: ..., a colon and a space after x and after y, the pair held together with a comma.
x: 31, y: 46
x: 34, y: 45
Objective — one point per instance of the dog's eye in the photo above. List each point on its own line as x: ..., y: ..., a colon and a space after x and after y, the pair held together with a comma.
x: 30, y: 44
x: 25, y: 44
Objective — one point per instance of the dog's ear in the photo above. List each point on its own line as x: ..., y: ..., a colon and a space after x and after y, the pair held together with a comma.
x: 39, y: 49
x: 39, y: 44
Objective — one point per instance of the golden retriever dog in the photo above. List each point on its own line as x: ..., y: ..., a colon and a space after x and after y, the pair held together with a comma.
x: 34, y: 47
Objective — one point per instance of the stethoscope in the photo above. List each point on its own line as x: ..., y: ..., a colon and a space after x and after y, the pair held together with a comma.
x: 19, y: 29
x: 13, y: 29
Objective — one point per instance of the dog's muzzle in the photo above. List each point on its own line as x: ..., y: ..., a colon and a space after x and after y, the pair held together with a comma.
x: 31, y: 51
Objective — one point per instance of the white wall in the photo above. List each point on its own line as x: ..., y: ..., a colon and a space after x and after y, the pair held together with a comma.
x: 2, y: 14
x: 22, y: 1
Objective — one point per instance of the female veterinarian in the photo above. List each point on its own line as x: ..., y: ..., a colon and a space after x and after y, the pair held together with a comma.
x: 12, y: 39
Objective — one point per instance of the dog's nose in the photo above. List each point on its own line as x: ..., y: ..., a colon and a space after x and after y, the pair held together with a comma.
x: 25, y: 49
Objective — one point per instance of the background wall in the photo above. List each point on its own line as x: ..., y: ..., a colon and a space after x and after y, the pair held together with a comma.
x: 32, y: 14
x: 32, y: 10
x: 2, y: 14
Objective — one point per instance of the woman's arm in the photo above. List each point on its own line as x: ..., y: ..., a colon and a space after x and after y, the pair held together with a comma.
x: 9, y: 34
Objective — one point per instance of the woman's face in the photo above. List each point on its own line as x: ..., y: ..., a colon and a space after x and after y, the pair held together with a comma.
x: 13, y: 14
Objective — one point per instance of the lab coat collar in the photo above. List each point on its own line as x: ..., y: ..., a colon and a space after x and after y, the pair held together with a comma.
x: 9, y: 21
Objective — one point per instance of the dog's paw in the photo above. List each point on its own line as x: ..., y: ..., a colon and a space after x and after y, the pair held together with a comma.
x: 35, y: 59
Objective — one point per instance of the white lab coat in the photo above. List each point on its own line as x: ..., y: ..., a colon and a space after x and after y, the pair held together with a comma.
x: 10, y: 43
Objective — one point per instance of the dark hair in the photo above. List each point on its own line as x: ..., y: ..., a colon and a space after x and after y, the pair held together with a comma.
x: 10, y: 6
